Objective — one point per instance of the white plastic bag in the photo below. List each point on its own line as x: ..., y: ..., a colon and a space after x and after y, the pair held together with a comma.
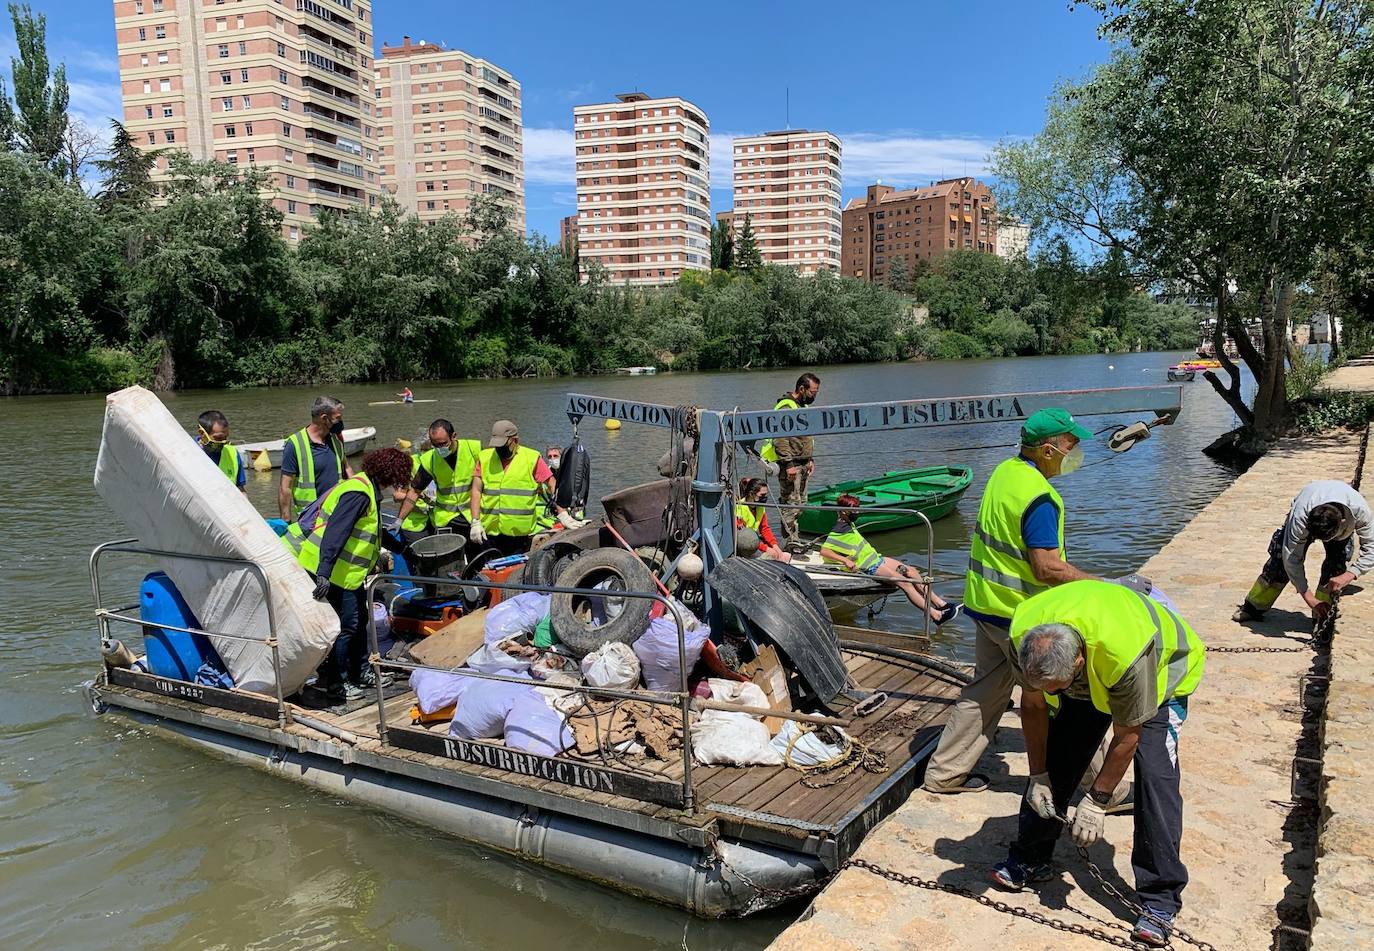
x: 809, y: 749
x: 435, y: 689
x: 491, y: 659
x: 533, y: 727
x: 484, y: 706
x: 611, y: 665
x: 171, y: 496
x: 515, y: 616
x: 657, y: 651
x: 721, y: 738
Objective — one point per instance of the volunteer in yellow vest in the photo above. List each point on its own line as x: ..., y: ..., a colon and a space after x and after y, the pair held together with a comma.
x: 313, y: 460
x: 846, y: 546
x: 510, y: 486
x: 750, y: 514
x: 793, y: 455
x: 213, y: 437
x: 338, y: 539
x: 1017, y: 550
x: 448, y: 464
x: 1111, y: 657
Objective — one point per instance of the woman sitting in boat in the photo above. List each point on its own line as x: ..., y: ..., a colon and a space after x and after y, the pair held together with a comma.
x: 749, y: 513
x: 846, y: 546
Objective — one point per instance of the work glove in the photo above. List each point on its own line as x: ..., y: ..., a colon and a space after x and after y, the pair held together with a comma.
x: 567, y: 520
x: 477, y: 533
x: 321, y: 589
x: 1040, y: 797
x: 1087, y: 822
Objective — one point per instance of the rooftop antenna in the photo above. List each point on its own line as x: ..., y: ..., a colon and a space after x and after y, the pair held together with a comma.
x: 787, y: 113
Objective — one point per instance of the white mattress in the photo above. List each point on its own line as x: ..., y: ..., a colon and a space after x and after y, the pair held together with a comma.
x: 171, y: 496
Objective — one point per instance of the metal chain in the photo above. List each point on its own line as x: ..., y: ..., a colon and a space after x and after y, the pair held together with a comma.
x: 1322, y: 632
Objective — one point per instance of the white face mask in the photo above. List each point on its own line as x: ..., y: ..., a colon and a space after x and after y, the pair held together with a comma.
x: 1073, y: 460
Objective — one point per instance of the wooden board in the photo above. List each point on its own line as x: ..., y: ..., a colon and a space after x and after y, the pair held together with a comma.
x: 768, y: 674
x: 453, y: 644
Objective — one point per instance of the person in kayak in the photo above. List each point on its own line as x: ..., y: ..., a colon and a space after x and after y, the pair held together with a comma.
x: 846, y: 546
x: 406, y: 396
x: 749, y: 513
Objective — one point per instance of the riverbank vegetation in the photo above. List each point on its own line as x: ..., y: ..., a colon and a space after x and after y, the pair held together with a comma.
x: 1225, y: 148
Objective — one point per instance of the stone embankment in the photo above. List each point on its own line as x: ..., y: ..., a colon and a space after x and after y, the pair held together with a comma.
x: 1264, y: 844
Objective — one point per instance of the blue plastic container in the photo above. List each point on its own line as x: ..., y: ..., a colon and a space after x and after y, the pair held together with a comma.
x: 173, y: 654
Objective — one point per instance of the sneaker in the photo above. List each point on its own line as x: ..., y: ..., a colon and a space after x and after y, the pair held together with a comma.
x: 973, y: 782
x: 345, y: 693
x: 1153, y: 928
x: 368, y: 679
x: 1246, y: 613
x: 948, y: 613
x: 1011, y: 876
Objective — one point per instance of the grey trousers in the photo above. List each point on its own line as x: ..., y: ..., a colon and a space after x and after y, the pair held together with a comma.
x: 973, y: 721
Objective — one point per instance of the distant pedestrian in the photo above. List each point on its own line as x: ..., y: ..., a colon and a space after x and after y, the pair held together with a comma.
x: 1327, y: 511
x: 794, y: 455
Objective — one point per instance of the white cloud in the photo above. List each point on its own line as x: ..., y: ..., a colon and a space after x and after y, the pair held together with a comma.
x: 549, y: 158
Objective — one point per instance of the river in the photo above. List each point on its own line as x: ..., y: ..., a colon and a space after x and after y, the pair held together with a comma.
x: 111, y: 836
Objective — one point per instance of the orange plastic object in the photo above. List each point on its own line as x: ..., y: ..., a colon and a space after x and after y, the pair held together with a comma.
x: 442, y: 715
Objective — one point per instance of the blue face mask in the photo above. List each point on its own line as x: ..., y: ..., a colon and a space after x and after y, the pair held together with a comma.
x: 443, y: 452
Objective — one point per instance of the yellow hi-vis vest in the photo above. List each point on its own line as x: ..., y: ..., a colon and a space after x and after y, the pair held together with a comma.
x: 303, y: 490
x: 999, y: 572
x: 360, y: 551
x: 853, y: 545
x: 1117, y: 625
x: 417, y: 519
x: 749, y: 516
x: 452, y: 485
x: 510, y: 495
x: 766, y: 450
x: 229, y: 462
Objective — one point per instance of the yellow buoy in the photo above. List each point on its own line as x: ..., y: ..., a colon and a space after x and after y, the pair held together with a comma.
x: 402, y: 443
x: 612, y: 424
x: 262, y: 462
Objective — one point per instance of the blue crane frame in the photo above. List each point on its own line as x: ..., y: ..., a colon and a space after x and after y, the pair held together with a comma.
x: 715, y: 515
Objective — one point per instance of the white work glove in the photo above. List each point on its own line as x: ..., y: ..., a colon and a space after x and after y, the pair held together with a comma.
x: 1039, y: 796
x: 566, y: 519
x: 477, y: 533
x: 1087, y: 822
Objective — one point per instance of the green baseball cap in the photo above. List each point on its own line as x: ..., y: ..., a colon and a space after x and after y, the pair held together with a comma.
x: 1044, y: 423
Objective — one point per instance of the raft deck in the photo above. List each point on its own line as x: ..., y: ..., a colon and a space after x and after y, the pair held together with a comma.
x: 767, y: 805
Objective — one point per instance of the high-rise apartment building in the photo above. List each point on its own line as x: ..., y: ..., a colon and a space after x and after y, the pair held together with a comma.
x: 788, y: 184
x: 286, y: 87
x: 643, y: 187
x: 886, y: 226
x: 449, y: 129
x: 1013, y: 238
x: 567, y: 231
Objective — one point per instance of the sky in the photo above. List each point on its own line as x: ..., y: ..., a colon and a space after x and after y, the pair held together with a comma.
x: 916, y: 90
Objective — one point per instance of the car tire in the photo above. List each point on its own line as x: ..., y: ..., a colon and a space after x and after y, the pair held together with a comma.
x: 572, y: 616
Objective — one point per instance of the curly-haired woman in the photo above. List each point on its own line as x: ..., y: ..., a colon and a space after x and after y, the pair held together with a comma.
x: 338, y: 539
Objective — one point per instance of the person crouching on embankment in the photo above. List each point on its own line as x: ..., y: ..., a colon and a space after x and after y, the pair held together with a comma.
x: 846, y: 546
x: 338, y: 539
x: 1328, y: 511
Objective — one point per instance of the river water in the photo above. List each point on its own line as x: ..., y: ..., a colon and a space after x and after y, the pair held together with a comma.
x: 111, y: 836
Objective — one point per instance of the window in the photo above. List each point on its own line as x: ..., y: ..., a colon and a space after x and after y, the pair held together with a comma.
x: 243, y: 75
x: 147, y: 112
x: 293, y: 232
x: 143, y: 60
x: 239, y: 22
x: 290, y: 181
x: 248, y: 128
x: 251, y: 157
x: 142, y: 34
x: 138, y: 7
x: 281, y: 76
x: 289, y: 155
x: 286, y: 129
x: 248, y: 102
x: 281, y: 49
x: 226, y: 77
x: 152, y: 138
x: 227, y: 104
x: 221, y: 24
x: 231, y: 130
x: 166, y: 110
x: 147, y: 85
x: 243, y: 48
x: 223, y: 49
x: 160, y: 32
x: 285, y: 104
x: 170, y: 135
x: 164, y: 85
x: 157, y: 6
x: 291, y: 207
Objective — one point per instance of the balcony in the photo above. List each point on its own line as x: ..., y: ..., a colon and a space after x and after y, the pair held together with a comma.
x: 315, y: 115
x: 337, y: 168
x: 324, y: 43
x: 329, y: 193
x: 492, y: 114
x: 492, y: 76
x: 311, y: 85
x: 500, y: 100
x: 495, y: 172
x: 328, y: 18
x: 350, y: 149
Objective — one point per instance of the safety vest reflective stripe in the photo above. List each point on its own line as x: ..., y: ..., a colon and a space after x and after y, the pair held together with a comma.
x: 1007, y: 581
x: 1003, y: 547
x: 509, y: 505
x: 1176, y: 664
x: 766, y: 450
x: 360, y: 549
x: 303, y: 490
x: 1000, y: 576
x: 854, y: 546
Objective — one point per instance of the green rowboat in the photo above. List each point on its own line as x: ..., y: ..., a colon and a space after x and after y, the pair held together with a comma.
x: 934, y: 491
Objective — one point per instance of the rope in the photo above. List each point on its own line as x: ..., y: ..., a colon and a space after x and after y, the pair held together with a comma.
x: 854, y: 755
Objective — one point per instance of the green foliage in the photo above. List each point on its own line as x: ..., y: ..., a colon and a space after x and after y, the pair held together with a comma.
x: 41, y: 98
x: 1333, y: 409
x: 747, y: 256
x: 722, y: 247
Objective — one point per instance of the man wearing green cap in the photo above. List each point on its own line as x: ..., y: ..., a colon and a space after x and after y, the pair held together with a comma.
x: 1018, y: 551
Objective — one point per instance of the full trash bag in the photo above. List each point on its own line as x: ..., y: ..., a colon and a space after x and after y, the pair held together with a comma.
x: 721, y: 738
x: 491, y: 659
x: 516, y: 616
x: 484, y: 706
x: 436, y: 689
x: 532, y: 726
x: 612, y: 665
x: 657, y: 650
x: 808, y: 749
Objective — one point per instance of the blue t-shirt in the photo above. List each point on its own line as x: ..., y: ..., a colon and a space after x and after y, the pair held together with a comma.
x: 326, y: 465
x: 1040, y: 529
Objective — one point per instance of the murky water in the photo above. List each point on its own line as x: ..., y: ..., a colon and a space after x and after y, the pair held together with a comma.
x: 110, y: 836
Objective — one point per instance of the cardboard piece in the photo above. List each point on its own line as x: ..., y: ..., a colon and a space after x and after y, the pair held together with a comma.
x: 454, y: 643
x: 767, y: 672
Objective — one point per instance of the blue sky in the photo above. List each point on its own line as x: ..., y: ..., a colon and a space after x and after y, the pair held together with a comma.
x: 916, y: 90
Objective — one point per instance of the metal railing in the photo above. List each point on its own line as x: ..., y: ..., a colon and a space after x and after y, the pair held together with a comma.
x: 130, y: 546
x: 682, y: 699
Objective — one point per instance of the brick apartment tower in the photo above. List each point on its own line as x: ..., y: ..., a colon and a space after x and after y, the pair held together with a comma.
x: 643, y: 187
x: 789, y: 185
x: 916, y: 225
x: 285, y: 86
x: 567, y: 231
x: 449, y: 129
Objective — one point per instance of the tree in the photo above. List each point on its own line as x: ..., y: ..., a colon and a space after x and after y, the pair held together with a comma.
x: 126, y: 169
x: 899, y: 275
x: 722, y: 246
x: 1221, y: 146
x: 747, y: 256
x: 80, y: 146
x: 7, y: 121
x: 41, y: 98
